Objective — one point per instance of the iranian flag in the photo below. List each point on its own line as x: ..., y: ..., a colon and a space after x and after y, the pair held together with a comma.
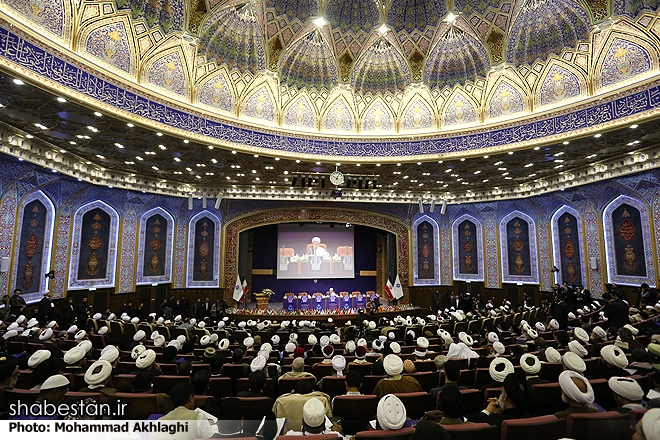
x: 245, y: 289
x: 388, y: 289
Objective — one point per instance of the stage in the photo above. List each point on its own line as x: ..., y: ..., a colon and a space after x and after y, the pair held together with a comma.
x: 338, y: 318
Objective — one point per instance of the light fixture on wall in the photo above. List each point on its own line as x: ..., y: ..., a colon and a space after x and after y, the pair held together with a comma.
x: 204, y: 200
x: 190, y: 202
x: 421, y: 205
x: 218, y: 200
x: 443, y: 208
x: 432, y: 207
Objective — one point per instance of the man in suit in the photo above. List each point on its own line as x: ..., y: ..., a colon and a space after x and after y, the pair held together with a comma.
x: 82, y: 313
x: 46, y: 308
x: 560, y: 312
x: 182, y: 396
x: 616, y: 311
x: 17, y: 303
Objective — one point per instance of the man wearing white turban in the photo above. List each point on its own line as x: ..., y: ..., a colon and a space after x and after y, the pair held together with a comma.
x: 576, y: 392
x: 499, y: 369
x: 531, y: 365
x: 395, y: 382
x: 649, y: 427
x: 615, y: 362
x: 628, y: 394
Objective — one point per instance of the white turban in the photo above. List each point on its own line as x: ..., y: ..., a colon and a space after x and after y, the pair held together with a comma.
x: 159, y: 340
x: 530, y: 363
x: 177, y: 318
x: 311, y: 339
x: 651, y: 424
x: 224, y: 344
x: 96, y: 316
x: 393, y: 364
x: 38, y: 357
x: 137, y: 351
x: 552, y: 355
x: 577, y: 348
x: 499, y: 348
x: 613, y: 355
x: 632, y: 329
x: 572, y: 391
x: 598, y: 331
x: 258, y: 363
x: 248, y: 342
x: 581, y: 334
x: 446, y: 336
x: 627, y: 388
x: 267, y: 347
x: 334, y: 339
x: 377, y: 344
x: 96, y: 379
x: 423, y: 342
x: 574, y: 362
x: 111, y: 316
x: 80, y: 335
x: 145, y: 359
x: 325, y: 340
x: 193, y: 321
x: 46, y: 334
x: 338, y: 364
x: 554, y: 324
x: 395, y: 347
x: 10, y: 334
x: 539, y: 326
x: 103, y: 330
x: 214, y: 337
x: 181, y: 339
x: 139, y: 335
x: 466, y: 339
x: 160, y: 321
x: 275, y: 339
x: 174, y: 343
x: 289, y: 347
x: 313, y: 413
x: 532, y: 333
x: 390, y: 413
x: 74, y: 355
x: 109, y: 353
x: 135, y: 320
x: 492, y: 337
x: 571, y: 315
x: 205, y: 340
x: 350, y: 345
x: 360, y: 342
x: 51, y: 324
x: 500, y: 368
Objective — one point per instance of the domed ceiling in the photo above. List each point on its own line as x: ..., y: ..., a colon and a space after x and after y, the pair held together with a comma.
x: 348, y: 79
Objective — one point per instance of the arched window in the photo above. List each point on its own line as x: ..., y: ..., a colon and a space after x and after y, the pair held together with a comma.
x: 203, y: 268
x: 518, y: 248
x: 156, y: 246
x: 426, y: 261
x: 567, y: 246
x: 467, y: 248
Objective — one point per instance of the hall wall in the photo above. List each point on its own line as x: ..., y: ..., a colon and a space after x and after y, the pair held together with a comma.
x: 21, y: 183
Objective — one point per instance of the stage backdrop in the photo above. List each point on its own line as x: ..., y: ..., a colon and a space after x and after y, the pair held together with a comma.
x: 266, y: 255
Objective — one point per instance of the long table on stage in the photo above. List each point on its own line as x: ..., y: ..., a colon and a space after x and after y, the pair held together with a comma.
x: 338, y: 318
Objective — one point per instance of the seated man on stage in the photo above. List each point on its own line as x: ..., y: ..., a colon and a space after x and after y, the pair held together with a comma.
x: 317, y: 251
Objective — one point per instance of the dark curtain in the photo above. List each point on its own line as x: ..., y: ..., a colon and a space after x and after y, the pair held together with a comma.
x: 467, y: 248
x: 154, y: 246
x: 31, y: 247
x: 517, y: 236
x: 628, y: 241
x: 204, y: 245
x: 94, y: 245
x: 425, y: 252
x: 569, y: 247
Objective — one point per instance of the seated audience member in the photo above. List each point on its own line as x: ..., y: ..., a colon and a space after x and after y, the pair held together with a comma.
x: 452, y: 372
x: 576, y: 391
x: 97, y: 378
x: 360, y: 356
x: 44, y: 370
x: 297, y: 369
x: 200, y: 381
x: 573, y: 362
x: 8, y: 371
x: 395, y: 382
x: 52, y: 391
x: 237, y: 359
x: 390, y: 414
x: 614, y: 362
x: 408, y: 366
x: 451, y: 407
x: 531, y: 365
x: 184, y: 368
x: 231, y: 414
x: 499, y: 369
x: 257, y: 383
x: 314, y: 420
x: 289, y: 406
x: 649, y: 427
x: 627, y: 394
x: 641, y: 363
x: 143, y: 384
x: 427, y: 430
x: 626, y: 340
x: 353, y: 381
x: 440, y: 361
x: 654, y: 392
x: 182, y: 396
x: 516, y: 401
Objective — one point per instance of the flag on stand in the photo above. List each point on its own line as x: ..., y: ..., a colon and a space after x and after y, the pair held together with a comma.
x: 238, y: 290
x: 245, y: 289
x: 397, y: 289
x: 388, y: 289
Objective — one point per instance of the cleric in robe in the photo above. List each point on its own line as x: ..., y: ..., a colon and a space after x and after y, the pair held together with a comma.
x: 316, y: 248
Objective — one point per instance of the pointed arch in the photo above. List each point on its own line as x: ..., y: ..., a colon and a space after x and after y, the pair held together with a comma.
x: 418, y: 114
x: 506, y: 98
x: 519, y: 238
x: 628, y: 239
x: 624, y: 57
x: 54, y: 18
x: 559, y: 83
x: 156, y: 241
x: 380, y: 69
x: 198, y: 272
x: 467, y: 248
x: 460, y: 109
x: 84, y: 246
x: 260, y: 103
x: 217, y: 91
x: 110, y: 42
x: 309, y: 64
x: 377, y: 118
x: 168, y: 72
x: 339, y: 116
x: 567, y: 235
x: 300, y: 113
x: 426, y: 251
x: 33, y: 247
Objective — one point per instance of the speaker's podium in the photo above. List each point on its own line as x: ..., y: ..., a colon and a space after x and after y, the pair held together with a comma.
x: 346, y: 301
x: 304, y: 302
x: 332, y: 301
x: 360, y: 300
x: 290, y: 302
x: 318, y: 302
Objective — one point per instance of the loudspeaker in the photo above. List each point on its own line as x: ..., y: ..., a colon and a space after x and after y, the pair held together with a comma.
x: 4, y: 264
x: 421, y: 205
x: 443, y: 208
x: 432, y: 208
x: 218, y: 200
x: 593, y: 263
x: 190, y: 202
x: 204, y: 201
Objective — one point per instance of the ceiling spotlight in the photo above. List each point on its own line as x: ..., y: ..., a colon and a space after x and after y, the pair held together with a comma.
x: 98, y: 114
x: 60, y: 99
x: 159, y: 134
x: 565, y: 142
x: 450, y: 18
x: 383, y: 29
x: 18, y: 82
x: 597, y: 135
x: 129, y: 125
x: 29, y: 136
x: 319, y: 22
x: 634, y: 126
